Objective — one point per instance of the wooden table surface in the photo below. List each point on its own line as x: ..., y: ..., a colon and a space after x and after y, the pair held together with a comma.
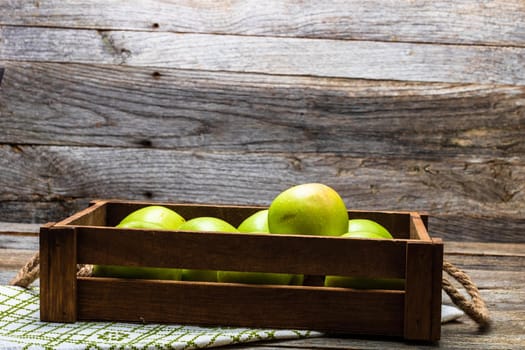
x: 496, y: 268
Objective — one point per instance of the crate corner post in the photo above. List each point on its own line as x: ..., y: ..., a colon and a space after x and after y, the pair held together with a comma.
x: 58, y: 266
x: 423, y: 291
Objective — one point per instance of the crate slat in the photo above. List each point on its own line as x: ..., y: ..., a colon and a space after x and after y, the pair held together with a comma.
x: 242, y: 252
x: 317, y: 308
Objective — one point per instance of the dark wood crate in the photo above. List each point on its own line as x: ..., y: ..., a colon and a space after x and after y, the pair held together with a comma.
x: 88, y: 237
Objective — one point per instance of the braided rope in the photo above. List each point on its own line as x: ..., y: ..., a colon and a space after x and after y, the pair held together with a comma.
x: 476, y: 308
x: 28, y: 273
x: 31, y: 270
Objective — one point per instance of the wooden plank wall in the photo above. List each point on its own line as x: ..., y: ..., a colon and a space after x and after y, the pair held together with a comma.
x: 409, y: 105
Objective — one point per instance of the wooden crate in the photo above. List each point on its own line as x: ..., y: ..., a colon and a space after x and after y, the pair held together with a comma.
x: 89, y: 238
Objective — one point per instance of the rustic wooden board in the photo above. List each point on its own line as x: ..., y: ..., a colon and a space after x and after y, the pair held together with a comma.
x: 31, y: 211
x: 8, y: 241
x: 469, y: 21
x: 178, y: 79
x: 23, y: 231
x: 269, y: 55
x: 75, y: 104
x: 244, y: 305
x: 239, y: 252
x: 468, y: 199
x: 486, y: 248
x: 15, y: 258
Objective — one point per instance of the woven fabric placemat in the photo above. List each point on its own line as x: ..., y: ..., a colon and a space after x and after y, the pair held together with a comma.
x: 21, y: 328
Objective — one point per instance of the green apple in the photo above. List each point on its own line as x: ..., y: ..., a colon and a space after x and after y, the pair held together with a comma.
x: 364, y: 234
x: 360, y: 225
x: 136, y: 271
x: 254, y: 277
x: 155, y: 215
x: 297, y: 280
x: 310, y: 209
x: 199, y: 275
x: 204, y: 223
x: 364, y: 282
x: 257, y: 222
x: 140, y: 224
x: 207, y: 223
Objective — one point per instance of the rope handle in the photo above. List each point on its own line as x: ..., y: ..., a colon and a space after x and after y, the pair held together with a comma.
x: 475, y: 308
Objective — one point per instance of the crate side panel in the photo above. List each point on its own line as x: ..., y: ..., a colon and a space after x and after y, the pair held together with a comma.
x: 94, y: 215
x: 418, y: 229
x: 242, y: 252
x: 58, y: 263
x: 325, y: 309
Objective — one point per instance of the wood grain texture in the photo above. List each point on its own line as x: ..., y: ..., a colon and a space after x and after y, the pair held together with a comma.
x: 406, y: 105
x: 8, y: 241
x: 468, y: 21
x: 239, y: 252
x: 241, y: 305
x: 486, y: 248
x: 467, y: 198
x: 268, y: 55
x: 96, y: 105
x: 18, y: 229
x: 419, y: 303
x: 14, y: 258
x: 58, y: 269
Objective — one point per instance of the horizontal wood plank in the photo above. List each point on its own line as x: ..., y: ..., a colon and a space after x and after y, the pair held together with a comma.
x: 240, y: 252
x: 242, y: 305
x: 512, y: 263
x: 94, y: 105
x: 18, y: 229
x: 8, y: 241
x: 15, y: 258
x: 268, y: 55
x: 485, y: 248
x: 467, y: 198
x: 469, y: 21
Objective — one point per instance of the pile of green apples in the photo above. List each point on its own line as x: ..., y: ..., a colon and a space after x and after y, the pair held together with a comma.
x: 308, y: 209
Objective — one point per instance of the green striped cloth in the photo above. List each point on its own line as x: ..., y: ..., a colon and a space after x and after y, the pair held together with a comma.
x: 20, y: 328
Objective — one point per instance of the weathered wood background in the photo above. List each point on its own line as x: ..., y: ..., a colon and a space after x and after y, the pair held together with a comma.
x: 415, y: 105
